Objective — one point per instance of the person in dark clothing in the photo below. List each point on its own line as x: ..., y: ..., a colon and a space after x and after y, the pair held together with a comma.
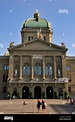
x: 43, y: 105
x: 24, y: 103
x: 38, y: 104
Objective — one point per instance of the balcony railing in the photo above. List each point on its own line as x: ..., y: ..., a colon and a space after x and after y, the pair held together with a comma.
x: 59, y: 80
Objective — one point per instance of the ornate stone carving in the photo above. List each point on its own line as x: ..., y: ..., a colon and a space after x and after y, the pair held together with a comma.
x: 63, y: 44
x: 36, y: 15
x: 11, y: 44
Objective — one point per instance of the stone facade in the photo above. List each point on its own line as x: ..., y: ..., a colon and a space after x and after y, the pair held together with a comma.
x: 36, y: 68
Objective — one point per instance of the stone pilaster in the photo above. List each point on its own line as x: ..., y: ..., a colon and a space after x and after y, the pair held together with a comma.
x: 20, y: 67
x: 10, y: 77
x: 43, y: 67
x: 54, y: 66
x: 63, y: 66
x: 50, y: 36
x: 32, y: 70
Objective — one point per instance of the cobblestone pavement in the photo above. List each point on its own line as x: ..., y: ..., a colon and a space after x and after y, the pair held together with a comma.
x: 54, y: 106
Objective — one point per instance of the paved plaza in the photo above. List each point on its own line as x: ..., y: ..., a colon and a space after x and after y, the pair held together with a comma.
x: 54, y: 106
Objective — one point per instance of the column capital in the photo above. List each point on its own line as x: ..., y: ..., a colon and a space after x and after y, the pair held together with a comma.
x: 20, y: 55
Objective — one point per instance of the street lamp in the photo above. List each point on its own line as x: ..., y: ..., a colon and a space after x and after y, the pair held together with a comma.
x: 24, y: 91
x: 37, y: 79
x: 50, y: 91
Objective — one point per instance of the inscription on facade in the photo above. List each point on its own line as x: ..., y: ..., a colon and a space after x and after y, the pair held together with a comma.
x: 37, y: 56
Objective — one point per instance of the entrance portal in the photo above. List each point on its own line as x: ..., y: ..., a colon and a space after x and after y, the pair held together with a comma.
x: 25, y: 92
x: 37, y: 92
x: 49, y: 92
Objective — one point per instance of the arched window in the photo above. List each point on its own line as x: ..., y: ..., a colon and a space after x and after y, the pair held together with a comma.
x: 69, y: 77
x: 60, y: 91
x: 44, y: 38
x: 14, y: 94
x: 4, y: 89
x: 69, y: 89
x: 28, y: 38
x: 37, y: 69
x: 48, y: 69
x: 16, y: 69
x: 68, y: 67
x: 26, y: 69
x: 58, y: 70
x: 5, y: 78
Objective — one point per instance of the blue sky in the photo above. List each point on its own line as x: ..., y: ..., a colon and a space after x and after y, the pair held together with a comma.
x: 61, y: 14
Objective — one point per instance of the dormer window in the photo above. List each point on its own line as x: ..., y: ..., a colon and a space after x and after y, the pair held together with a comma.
x: 44, y: 38
x: 28, y: 38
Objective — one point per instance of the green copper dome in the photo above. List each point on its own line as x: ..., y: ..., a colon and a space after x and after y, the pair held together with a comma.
x: 36, y: 21
x: 33, y: 23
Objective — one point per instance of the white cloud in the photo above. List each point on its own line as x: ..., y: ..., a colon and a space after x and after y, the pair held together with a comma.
x: 1, y: 54
x: 1, y: 45
x: 10, y: 11
x: 10, y: 34
x: 73, y: 45
x: 63, y: 11
x: 63, y: 34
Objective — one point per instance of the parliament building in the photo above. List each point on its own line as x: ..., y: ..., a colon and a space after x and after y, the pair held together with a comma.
x: 37, y: 67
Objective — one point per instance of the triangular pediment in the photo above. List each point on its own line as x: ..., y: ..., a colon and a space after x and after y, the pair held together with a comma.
x: 38, y: 45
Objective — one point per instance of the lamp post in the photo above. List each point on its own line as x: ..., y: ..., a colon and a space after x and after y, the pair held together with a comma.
x: 50, y: 91
x: 24, y: 91
x: 37, y: 79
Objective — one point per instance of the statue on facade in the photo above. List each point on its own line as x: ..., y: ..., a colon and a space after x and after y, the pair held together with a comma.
x: 38, y: 35
x: 11, y: 44
x: 63, y: 44
x: 36, y: 15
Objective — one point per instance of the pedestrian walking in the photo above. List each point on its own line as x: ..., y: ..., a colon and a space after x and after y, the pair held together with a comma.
x: 38, y: 105
x: 24, y: 103
x: 67, y: 97
x: 43, y: 105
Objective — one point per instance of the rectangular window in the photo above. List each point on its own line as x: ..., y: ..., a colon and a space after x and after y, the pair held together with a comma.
x: 39, y: 70
x: 50, y: 70
x: 6, y: 67
x: 44, y: 38
x: 46, y: 70
x: 35, y: 69
x: 28, y: 38
x: 68, y: 67
x: 28, y: 70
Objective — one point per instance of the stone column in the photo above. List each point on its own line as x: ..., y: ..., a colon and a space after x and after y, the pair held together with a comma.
x: 50, y: 36
x: 43, y: 67
x: 32, y: 68
x: 10, y: 77
x: 63, y: 66
x: 54, y: 66
x: 66, y: 87
x: 20, y: 67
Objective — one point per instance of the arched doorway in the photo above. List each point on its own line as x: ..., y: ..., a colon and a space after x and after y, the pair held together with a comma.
x: 60, y: 92
x: 14, y: 94
x: 25, y: 92
x: 49, y: 92
x: 37, y: 92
